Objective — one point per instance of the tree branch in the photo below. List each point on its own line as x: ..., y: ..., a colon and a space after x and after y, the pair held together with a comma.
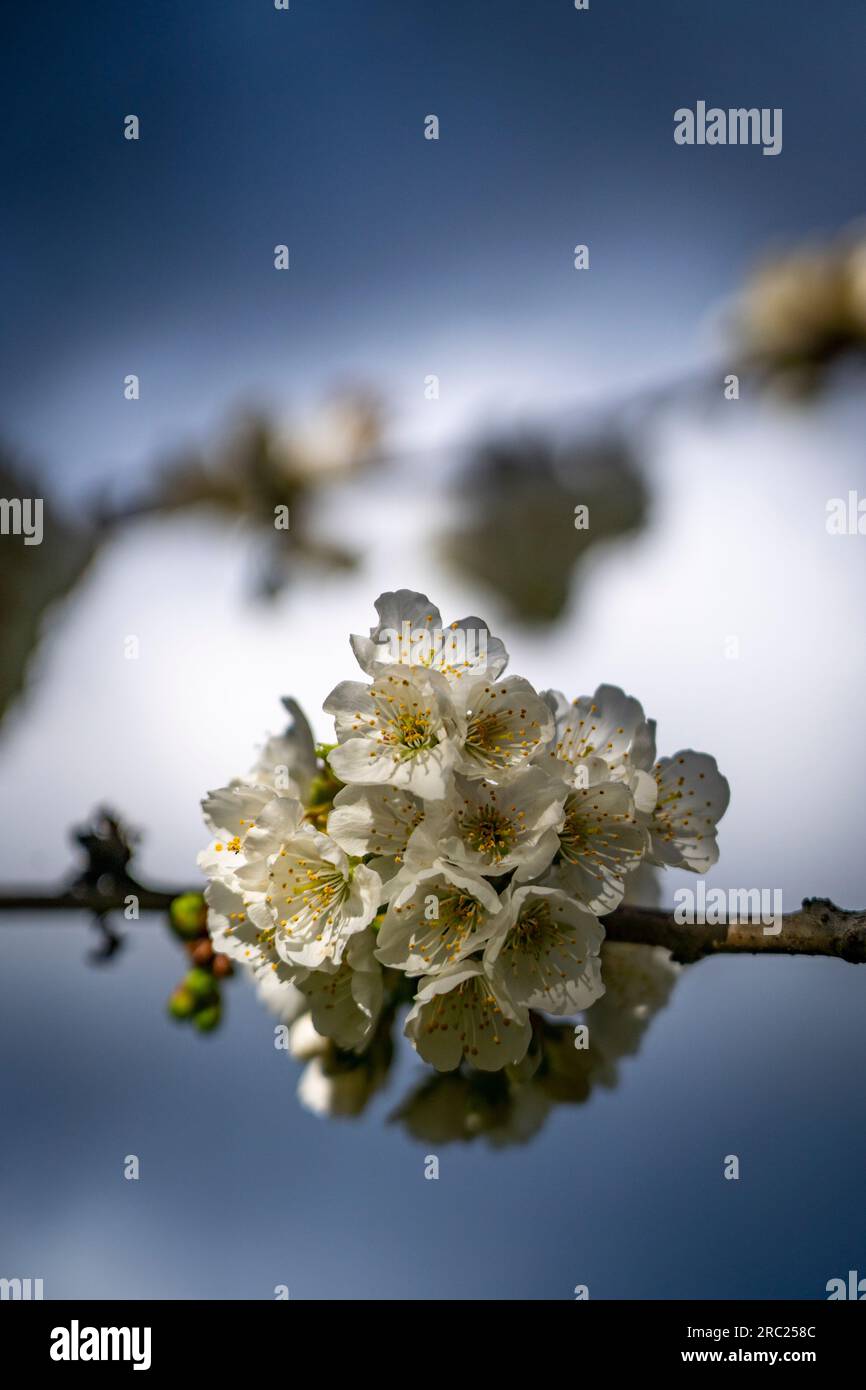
x: 819, y: 928
x: 90, y: 899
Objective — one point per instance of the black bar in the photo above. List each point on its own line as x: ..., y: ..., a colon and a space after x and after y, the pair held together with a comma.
x: 271, y: 1336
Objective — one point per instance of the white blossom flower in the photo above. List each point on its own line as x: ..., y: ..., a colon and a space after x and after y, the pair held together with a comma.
x: 544, y: 952
x: 494, y: 829
x: 304, y: 896
x: 398, y: 730
x: 458, y: 1014
x: 231, y: 814
x: 375, y: 821
x: 235, y: 932
x: 600, y: 842
x: 605, y: 735
x: 692, y: 798
x: 410, y: 632
x: 345, y: 1002
x: 432, y: 848
x: 245, y: 855
x: 285, y: 767
x: 502, y: 727
x: 440, y: 918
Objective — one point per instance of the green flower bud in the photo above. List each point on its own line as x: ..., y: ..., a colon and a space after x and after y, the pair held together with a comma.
x: 188, y: 915
x: 200, y: 984
x: 181, y: 1003
x: 209, y: 1018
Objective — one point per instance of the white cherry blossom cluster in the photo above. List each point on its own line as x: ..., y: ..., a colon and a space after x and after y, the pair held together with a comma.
x: 460, y: 840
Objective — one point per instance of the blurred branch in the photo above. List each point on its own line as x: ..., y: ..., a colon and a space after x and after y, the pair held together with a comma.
x: 104, y: 884
x: 71, y: 899
x: 266, y: 476
x: 517, y: 531
x: 260, y: 471
x: 34, y: 578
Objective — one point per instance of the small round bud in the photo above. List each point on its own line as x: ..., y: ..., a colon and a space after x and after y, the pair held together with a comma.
x: 188, y: 915
x: 202, y: 951
x: 207, y: 1019
x: 200, y: 984
x: 181, y: 1003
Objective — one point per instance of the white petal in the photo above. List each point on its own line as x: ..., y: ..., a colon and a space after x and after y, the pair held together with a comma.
x: 457, y: 1014
x: 692, y: 797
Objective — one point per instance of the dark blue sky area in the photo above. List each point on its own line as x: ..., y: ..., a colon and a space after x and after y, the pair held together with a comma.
x: 305, y: 127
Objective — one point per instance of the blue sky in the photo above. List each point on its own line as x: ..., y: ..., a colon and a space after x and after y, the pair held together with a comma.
x: 408, y: 256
